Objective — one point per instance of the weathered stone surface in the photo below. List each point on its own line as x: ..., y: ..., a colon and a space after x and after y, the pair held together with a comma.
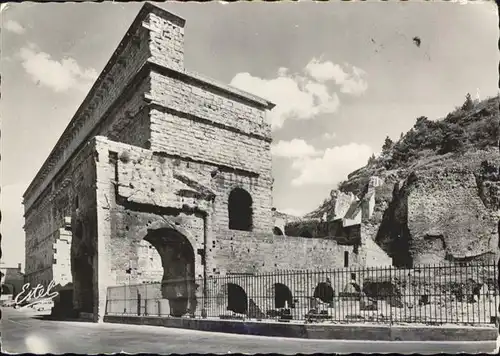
x: 341, y: 202
x: 436, y: 216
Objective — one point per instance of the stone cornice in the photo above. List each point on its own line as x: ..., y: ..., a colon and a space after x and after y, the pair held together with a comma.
x: 203, y: 190
x: 219, y: 166
x: 50, y: 195
x: 199, y: 80
x: 164, y: 109
x: 97, y: 91
x: 53, y: 159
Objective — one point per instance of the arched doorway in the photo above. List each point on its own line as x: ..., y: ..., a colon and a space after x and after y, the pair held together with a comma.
x: 240, y: 210
x: 282, y: 296
x: 277, y: 231
x: 324, y: 292
x: 178, y: 261
x: 237, y: 300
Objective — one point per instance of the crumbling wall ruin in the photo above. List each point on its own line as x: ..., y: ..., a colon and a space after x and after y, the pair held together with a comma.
x: 437, y: 216
x: 141, y: 191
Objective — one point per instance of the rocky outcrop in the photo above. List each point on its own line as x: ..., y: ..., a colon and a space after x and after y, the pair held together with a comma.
x: 443, y: 213
x: 437, y: 197
x: 341, y: 203
x: 488, y: 184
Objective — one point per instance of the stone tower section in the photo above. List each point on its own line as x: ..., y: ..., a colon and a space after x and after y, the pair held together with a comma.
x: 217, y: 133
x: 166, y: 38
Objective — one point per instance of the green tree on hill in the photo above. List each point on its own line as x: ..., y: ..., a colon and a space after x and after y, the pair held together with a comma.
x: 454, y: 138
x: 388, y: 144
x: 372, y: 159
x: 468, y: 104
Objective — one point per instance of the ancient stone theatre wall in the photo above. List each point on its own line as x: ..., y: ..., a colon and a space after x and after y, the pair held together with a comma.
x: 165, y: 175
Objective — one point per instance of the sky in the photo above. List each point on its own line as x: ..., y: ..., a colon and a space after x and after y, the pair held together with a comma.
x: 343, y: 75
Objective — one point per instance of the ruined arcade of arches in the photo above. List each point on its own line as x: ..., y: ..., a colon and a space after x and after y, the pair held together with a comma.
x: 199, y: 238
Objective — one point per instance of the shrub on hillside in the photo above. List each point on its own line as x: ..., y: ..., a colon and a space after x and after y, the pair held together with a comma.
x: 372, y: 159
x: 468, y: 104
x: 388, y: 144
x: 453, y: 139
x: 486, y: 133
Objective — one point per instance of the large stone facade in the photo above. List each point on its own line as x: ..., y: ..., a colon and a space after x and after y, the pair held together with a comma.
x: 163, y: 175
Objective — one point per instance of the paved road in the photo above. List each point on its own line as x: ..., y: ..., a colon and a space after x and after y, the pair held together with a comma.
x: 22, y: 332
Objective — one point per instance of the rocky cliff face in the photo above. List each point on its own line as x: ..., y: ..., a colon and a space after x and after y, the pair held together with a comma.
x: 436, y: 204
x: 444, y: 213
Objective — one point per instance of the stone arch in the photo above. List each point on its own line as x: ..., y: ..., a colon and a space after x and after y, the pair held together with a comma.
x: 277, y: 231
x: 240, y: 210
x: 282, y: 294
x: 324, y: 292
x: 175, y: 224
x: 178, y: 261
x: 234, y: 298
x: 237, y: 299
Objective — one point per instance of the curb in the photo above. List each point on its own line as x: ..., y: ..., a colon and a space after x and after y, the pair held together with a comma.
x: 312, y: 331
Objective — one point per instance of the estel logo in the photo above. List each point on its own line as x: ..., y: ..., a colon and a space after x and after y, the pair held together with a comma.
x: 35, y: 295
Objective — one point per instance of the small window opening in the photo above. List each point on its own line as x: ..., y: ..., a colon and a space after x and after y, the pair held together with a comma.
x: 240, y: 210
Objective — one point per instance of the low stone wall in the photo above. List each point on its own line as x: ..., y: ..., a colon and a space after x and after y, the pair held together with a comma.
x: 319, y: 331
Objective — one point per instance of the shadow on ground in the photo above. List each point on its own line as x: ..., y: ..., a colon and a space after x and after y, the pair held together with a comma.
x: 60, y: 318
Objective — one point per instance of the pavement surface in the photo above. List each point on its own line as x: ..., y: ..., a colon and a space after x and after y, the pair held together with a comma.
x: 27, y: 331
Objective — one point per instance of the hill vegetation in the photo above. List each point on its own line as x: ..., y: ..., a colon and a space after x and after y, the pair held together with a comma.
x: 471, y: 130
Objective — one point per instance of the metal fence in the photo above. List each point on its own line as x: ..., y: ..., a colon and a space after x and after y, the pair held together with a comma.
x: 425, y: 294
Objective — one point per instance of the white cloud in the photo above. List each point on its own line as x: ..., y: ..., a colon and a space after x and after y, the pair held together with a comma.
x: 355, y: 85
x: 295, y: 97
x: 295, y: 148
x: 326, y: 71
x: 333, y: 166
x: 350, y: 83
x: 303, y: 96
x: 56, y: 75
x: 329, y: 135
x: 282, y: 71
x: 13, y: 26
